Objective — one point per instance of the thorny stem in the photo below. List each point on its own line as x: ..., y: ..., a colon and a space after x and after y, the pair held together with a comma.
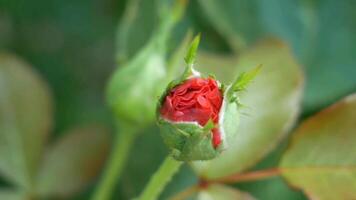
x: 115, y: 163
x: 160, y: 179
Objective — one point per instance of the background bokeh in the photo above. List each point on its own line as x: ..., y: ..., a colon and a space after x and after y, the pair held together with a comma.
x: 73, y: 45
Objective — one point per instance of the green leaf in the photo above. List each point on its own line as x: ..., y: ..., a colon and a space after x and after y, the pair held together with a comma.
x: 329, y: 66
x: 321, y: 159
x: 222, y: 192
x: 25, y: 119
x: 273, y: 103
x: 72, y: 162
x: 327, y: 55
x: 10, y: 194
x: 271, y: 188
x: 222, y: 66
x: 236, y: 20
x: 135, y: 27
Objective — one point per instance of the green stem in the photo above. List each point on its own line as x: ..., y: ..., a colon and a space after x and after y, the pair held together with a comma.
x: 115, y: 164
x: 160, y: 179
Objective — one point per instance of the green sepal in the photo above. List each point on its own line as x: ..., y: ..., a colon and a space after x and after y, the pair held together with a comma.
x: 209, y: 125
x: 229, y: 118
x: 192, y: 52
x: 188, y: 141
x: 133, y: 88
x: 244, y: 79
x: 212, y: 76
x: 188, y: 71
x: 190, y: 59
x: 229, y: 113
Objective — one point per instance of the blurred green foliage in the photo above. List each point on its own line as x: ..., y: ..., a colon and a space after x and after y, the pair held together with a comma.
x: 321, y: 33
x: 71, y: 43
x: 76, y: 45
x: 32, y: 166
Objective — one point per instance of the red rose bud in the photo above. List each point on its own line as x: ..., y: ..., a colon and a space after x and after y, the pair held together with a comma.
x: 198, y: 116
x: 195, y: 100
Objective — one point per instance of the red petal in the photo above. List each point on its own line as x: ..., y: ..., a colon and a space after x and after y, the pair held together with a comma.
x: 216, y: 137
x: 203, y: 102
x: 196, y: 99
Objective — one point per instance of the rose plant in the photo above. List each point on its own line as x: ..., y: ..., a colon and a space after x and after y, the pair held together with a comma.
x: 198, y: 117
x: 274, y: 100
x: 222, y: 143
x: 34, y: 163
x: 196, y: 99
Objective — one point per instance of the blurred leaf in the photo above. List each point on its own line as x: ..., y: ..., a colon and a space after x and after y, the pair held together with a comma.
x: 192, y: 50
x: 8, y: 194
x: 271, y: 189
x: 327, y: 55
x: 220, y: 65
x: 274, y: 187
x: 237, y: 20
x: 273, y: 104
x: 176, y: 63
x: 138, y: 24
x: 133, y: 89
x: 321, y: 159
x: 135, y: 27
x: 245, y: 78
x: 25, y: 119
x: 243, y: 22
x: 72, y: 162
x: 222, y: 192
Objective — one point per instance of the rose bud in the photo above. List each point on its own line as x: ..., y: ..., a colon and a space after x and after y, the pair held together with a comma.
x: 133, y: 89
x: 197, y: 115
